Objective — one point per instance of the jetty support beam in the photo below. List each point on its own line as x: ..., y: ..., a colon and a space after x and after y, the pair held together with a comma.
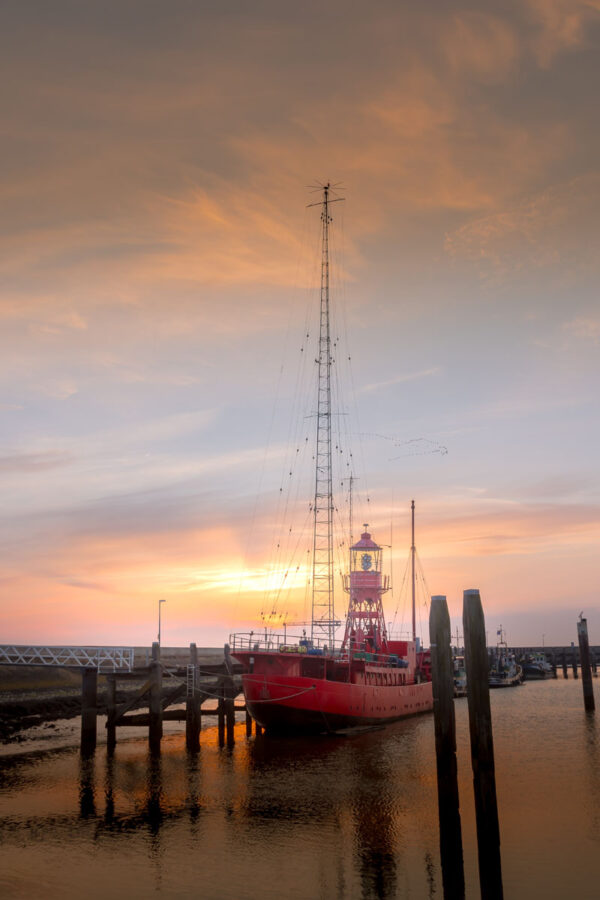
x: 111, y: 713
x: 193, y: 703
x: 155, y: 705
x: 89, y: 709
x: 229, y: 697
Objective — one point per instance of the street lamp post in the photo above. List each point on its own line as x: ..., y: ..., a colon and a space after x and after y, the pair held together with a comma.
x: 160, y: 602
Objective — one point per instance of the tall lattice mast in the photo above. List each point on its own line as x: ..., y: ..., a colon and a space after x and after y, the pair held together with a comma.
x: 323, y: 616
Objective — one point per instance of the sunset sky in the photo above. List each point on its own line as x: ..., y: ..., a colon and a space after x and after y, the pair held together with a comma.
x: 157, y: 260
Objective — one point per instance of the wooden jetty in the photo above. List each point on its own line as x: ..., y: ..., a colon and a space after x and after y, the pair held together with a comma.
x: 162, y: 688
x: 168, y: 684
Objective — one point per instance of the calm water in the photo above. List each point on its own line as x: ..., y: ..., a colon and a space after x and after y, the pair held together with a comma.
x: 325, y: 817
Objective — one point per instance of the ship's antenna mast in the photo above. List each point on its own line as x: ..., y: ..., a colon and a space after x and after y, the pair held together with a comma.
x: 412, y: 556
x: 323, y: 619
x: 352, y: 479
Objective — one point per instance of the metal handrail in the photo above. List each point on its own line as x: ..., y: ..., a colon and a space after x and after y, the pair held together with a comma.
x: 104, y: 659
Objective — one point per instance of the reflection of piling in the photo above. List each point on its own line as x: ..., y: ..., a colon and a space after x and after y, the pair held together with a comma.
x: 155, y: 700
x: 193, y: 703
x: 87, y: 795
x: 584, y: 656
x: 221, y: 712
x: 482, y: 748
x: 89, y: 709
x: 451, y: 852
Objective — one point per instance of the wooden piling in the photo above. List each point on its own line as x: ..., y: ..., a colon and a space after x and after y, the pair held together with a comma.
x: 574, y: 662
x: 89, y: 709
x: 111, y: 710
x: 564, y: 665
x: 230, y: 716
x: 451, y: 851
x: 586, y: 674
x: 593, y: 662
x: 248, y: 724
x: 193, y: 702
x: 155, y: 701
x: 482, y: 748
x: 229, y: 697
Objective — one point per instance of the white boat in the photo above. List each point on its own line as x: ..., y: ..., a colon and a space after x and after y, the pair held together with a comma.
x: 504, y: 670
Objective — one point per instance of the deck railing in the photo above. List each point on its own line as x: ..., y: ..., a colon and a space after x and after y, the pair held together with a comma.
x: 257, y: 642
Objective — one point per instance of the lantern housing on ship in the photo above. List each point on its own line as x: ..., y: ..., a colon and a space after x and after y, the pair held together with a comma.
x: 365, y: 625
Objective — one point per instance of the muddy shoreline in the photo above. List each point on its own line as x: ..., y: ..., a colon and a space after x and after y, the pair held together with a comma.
x: 18, y: 714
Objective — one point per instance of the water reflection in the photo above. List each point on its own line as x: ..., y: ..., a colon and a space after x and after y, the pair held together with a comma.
x: 336, y: 817
x: 87, y: 787
x: 373, y: 816
x: 109, y: 794
x: 593, y: 768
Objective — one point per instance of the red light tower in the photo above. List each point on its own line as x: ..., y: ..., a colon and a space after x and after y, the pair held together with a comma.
x: 365, y: 625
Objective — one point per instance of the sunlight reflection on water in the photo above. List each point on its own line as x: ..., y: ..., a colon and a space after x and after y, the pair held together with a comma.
x: 319, y: 817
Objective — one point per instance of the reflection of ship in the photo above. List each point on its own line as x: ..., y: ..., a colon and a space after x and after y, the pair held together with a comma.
x: 504, y: 671
x: 307, y: 683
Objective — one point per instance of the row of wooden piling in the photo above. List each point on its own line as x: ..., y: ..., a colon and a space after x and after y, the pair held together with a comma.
x: 153, y: 695
x: 482, y: 749
x: 482, y: 745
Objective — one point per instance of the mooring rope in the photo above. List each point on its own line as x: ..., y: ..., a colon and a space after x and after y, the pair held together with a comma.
x: 288, y: 697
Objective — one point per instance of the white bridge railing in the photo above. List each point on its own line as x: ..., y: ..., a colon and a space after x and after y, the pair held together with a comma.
x: 105, y: 659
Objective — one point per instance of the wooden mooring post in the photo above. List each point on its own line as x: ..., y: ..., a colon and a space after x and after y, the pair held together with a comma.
x: 584, y: 657
x: 482, y: 748
x: 564, y: 665
x: 229, y: 697
x: 574, y: 662
x: 89, y: 710
x: 155, y: 708
x: 451, y: 851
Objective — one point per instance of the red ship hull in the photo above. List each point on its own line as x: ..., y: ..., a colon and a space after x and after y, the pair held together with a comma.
x: 283, y: 699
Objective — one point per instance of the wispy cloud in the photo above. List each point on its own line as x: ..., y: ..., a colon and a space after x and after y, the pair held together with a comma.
x: 557, y: 227
x: 585, y: 328
x: 34, y: 462
x: 400, y: 379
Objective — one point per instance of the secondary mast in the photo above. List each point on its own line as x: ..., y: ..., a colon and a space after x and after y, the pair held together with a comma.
x: 413, y: 551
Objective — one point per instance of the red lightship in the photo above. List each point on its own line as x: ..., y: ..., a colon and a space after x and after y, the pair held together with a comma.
x: 308, y: 684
